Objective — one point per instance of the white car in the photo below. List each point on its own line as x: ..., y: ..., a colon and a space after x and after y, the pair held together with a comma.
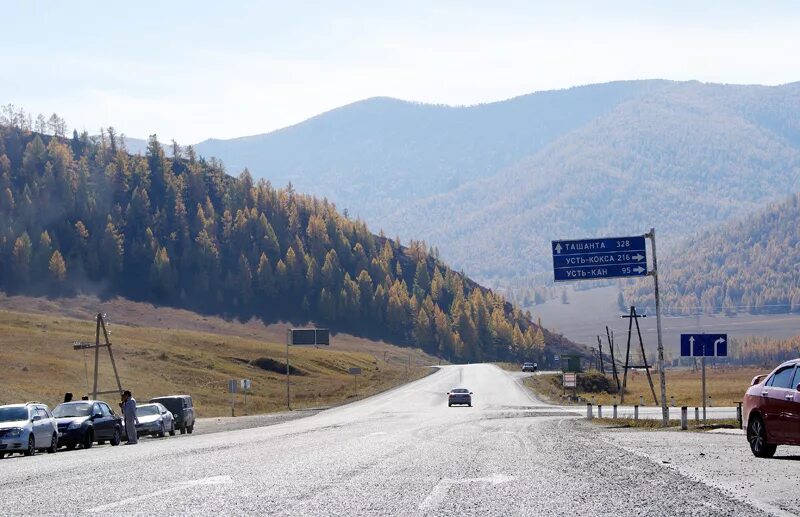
x: 155, y: 420
x: 26, y: 428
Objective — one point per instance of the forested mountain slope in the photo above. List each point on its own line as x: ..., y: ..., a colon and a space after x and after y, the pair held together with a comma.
x: 750, y: 265
x: 375, y: 156
x: 678, y: 159
x: 83, y: 214
x: 492, y: 184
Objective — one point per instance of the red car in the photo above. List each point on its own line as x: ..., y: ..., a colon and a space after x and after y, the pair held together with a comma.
x: 772, y: 409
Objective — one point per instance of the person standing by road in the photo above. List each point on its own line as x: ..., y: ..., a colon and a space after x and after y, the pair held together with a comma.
x: 129, y: 414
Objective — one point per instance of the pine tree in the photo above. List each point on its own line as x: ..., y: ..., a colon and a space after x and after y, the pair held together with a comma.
x: 57, y: 268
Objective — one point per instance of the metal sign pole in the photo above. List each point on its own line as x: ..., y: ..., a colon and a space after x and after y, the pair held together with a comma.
x: 288, y: 340
x: 703, y: 363
x: 661, y: 374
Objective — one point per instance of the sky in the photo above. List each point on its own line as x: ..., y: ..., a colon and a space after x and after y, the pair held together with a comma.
x: 195, y: 70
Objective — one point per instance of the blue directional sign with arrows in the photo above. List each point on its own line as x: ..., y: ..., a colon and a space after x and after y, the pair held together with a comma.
x: 708, y: 345
x: 591, y: 259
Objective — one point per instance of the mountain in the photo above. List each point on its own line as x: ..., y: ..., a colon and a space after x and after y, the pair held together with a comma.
x: 492, y: 184
x: 677, y: 159
x: 83, y: 215
x: 747, y: 265
x: 377, y: 155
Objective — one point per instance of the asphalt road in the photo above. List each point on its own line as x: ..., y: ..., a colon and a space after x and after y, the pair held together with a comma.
x: 403, y: 452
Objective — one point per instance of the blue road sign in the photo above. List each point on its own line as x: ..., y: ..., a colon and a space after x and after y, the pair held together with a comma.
x: 708, y: 345
x: 589, y: 259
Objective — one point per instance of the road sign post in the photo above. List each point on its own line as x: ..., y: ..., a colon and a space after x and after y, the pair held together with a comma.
x: 355, y: 372
x: 303, y: 337
x: 613, y: 257
x: 704, y: 345
x: 232, y: 385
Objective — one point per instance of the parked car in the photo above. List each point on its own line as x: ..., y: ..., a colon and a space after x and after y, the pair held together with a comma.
x: 155, y: 420
x: 529, y: 367
x: 26, y: 428
x: 459, y: 396
x: 772, y: 409
x: 182, y: 410
x: 86, y: 422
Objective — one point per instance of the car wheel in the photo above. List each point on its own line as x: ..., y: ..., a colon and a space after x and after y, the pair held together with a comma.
x: 31, y: 450
x: 53, y: 444
x: 449, y: 405
x: 183, y: 430
x: 190, y: 429
x: 117, y: 438
x: 88, y: 439
x: 2, y: 455
x: 757, y: 437
x: 470, y: 404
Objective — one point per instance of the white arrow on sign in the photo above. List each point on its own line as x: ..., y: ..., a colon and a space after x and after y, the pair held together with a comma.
x: 639, y: 270
x: 691, y: 342
x: 638, y: 256
x: 558, y: 248
x: 719, y: 342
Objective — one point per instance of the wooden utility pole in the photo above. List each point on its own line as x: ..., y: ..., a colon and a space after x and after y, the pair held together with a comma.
x: 600, y: 348
x: 632, y: 318
x: 613, y: 360
x: 100, y: 326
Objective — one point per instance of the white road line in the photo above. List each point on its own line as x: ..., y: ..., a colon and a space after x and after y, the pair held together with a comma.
x: 439, y: 492
x: 214, y: 480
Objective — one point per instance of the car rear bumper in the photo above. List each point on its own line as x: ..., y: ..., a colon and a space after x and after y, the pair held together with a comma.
x: 460, y: 401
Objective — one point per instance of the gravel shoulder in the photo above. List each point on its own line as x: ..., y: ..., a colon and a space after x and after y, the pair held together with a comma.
x: 719, y: 460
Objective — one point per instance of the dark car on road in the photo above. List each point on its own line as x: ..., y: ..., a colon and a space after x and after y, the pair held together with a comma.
x: 771, y: 409
x: 182, y: 410
x: 459, y: 396
x: 86, y: 422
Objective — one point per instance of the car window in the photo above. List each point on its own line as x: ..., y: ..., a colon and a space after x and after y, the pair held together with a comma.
x: 796, y: 380
x: 72, y: 409
x: 782, y: 378
x: 42, y: 413
x: 105, y: 410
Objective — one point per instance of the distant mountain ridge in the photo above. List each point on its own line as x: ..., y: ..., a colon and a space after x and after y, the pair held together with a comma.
x: 747, y: 265
x: 491, y: 184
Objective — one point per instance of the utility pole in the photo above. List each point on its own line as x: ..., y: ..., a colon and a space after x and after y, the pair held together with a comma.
x: 661, y: 374
x: 600, y: 348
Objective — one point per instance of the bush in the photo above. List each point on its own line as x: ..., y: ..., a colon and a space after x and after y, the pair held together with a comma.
x: 595, y: 382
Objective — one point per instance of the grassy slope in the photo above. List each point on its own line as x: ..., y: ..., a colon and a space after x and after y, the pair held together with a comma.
x: 162, y: 351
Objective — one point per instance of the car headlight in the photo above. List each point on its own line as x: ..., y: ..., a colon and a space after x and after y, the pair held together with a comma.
x: 16, y: 432
x: 73, y: 425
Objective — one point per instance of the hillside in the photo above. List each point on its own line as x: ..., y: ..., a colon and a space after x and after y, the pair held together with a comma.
x: 678, y: 159
x: 492, y: 184
x: 748, y: 265
x: 83, y: 215
x: 160, y: 351
x: 375, y: 156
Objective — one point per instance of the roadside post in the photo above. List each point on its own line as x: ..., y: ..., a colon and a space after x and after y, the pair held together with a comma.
x: 588, y: 410
x: 615, y: 411
x: 684, y: 418
x: 232, y: 385
x: 739, y: 414
x: 609, y: 257
x: 702, y: 346
x: 355, y: 372
x: 246, y: 385
x: 302, y: 337
x: 635, y: 413
x: 599, y: 411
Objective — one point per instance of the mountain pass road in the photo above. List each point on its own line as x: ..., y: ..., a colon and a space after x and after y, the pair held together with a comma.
x: 404, y: 452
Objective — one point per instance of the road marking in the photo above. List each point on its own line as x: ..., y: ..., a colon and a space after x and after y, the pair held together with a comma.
x: 379, y: 433
x: 439, y: 492
x: 213, y: 480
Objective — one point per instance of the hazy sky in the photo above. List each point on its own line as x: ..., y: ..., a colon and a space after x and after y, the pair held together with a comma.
x: 193, y: 70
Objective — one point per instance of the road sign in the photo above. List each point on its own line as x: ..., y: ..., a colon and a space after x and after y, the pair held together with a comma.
x: 246, y: 384
x: 354, y: 371
x: 233, y: 384
x: 589, y: 259
x: 704, y: 345
x: 570, y: 380
x: 309, y: 337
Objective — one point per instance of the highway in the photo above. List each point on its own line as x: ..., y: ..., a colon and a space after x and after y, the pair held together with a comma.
x: 403, y: 452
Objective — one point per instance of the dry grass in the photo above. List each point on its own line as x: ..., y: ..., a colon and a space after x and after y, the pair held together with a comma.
x: 725, y: 386
x: 644, y: 423
x: 40, y: 364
